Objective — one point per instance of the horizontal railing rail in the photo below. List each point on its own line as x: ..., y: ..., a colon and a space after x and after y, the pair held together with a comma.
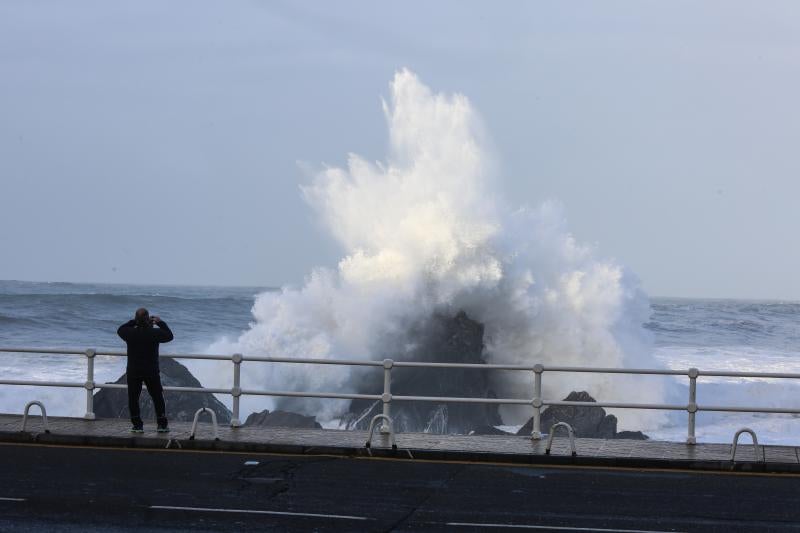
x: 537, y: 402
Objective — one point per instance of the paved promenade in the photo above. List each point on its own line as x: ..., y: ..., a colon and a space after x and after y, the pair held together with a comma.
x: 80, y: 489
x: 500, y: 449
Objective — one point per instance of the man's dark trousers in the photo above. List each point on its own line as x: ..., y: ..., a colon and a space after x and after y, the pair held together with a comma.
x: 153, y: 383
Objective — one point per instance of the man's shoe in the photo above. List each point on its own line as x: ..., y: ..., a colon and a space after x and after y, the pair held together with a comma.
x: 138, y: 426
x: 162, y: 426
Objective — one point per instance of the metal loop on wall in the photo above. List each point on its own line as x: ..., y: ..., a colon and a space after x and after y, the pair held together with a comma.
x: 553, y: 433
x: 736, y: 443
x: 44, y: 415
x: 213, y: 421
x: 388, y: 422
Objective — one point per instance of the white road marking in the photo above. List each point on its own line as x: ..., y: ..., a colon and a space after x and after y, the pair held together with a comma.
x: 557, y: 528
x: 256, y: 511
x: 12, y: 499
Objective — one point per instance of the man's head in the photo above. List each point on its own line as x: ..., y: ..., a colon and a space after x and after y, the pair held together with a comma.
x: 142, y: 317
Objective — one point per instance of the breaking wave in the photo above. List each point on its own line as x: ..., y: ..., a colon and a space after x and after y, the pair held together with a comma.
x: 425, y: 232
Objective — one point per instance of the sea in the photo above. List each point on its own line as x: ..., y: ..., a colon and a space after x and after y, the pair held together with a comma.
x: 718, y: 334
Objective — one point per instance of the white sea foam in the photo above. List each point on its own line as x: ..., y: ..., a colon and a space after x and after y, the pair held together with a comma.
x: 732, y: 391
x: 57, y: 401
x: 425, y: 231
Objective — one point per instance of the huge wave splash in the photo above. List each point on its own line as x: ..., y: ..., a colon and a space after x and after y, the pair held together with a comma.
x: 426, y: 233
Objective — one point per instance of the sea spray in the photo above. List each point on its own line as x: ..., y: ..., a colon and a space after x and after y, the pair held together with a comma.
x: 423, y: 233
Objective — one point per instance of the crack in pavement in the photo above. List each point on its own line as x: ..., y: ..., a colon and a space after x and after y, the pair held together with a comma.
x: 444, y: 485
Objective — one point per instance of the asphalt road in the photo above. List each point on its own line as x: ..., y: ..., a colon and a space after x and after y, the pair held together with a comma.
x: 44, y: 488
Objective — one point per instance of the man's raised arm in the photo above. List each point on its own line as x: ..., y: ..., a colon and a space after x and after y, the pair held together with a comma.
x: 125, y: 329
x: 165, y: 334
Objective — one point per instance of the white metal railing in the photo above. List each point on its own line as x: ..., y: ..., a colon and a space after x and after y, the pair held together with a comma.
x: 537, y: 402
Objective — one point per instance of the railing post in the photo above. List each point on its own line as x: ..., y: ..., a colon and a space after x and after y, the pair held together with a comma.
x: 536, y: 433
x: 89, y: 385
x: 236, y: 392
x: 387, y: 395
x: 692, y: 406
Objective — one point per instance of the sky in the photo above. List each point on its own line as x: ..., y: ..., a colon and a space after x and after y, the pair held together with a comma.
x: 166, y: 142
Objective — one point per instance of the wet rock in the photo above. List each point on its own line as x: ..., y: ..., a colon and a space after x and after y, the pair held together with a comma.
x: 442, y: 338
x: 285, y: 419
x: 181, y: 406
x: 631, y: 435
x: 586, y: 422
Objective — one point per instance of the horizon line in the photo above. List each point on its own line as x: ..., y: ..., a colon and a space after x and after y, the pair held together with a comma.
x: 279, y: 287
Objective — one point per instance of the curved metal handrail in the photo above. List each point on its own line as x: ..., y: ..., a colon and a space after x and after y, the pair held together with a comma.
x: 553, y: 433
x: 44, y: 415
x: 388, y: 422
x: 736, y: 443
x: 213, y: 422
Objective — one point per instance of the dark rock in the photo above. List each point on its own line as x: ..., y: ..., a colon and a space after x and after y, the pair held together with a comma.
x: 442, y: 338
x: 488, y: 430
x: 284, y: 419
x: 181, y: 406
x: 631, y: 435
x: 586, y: 422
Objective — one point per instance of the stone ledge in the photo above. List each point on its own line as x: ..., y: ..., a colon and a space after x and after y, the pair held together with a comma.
x: 487, y: 449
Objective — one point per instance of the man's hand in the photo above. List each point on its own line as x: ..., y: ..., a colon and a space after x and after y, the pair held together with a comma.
x: 155, y: 319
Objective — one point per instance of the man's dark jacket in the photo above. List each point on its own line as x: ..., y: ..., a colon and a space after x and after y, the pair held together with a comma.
x: 143, y: 346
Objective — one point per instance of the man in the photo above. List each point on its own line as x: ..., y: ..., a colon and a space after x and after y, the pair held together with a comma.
x: 143, y: 340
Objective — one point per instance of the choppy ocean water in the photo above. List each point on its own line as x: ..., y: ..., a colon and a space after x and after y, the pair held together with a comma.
x: 707, y: 334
